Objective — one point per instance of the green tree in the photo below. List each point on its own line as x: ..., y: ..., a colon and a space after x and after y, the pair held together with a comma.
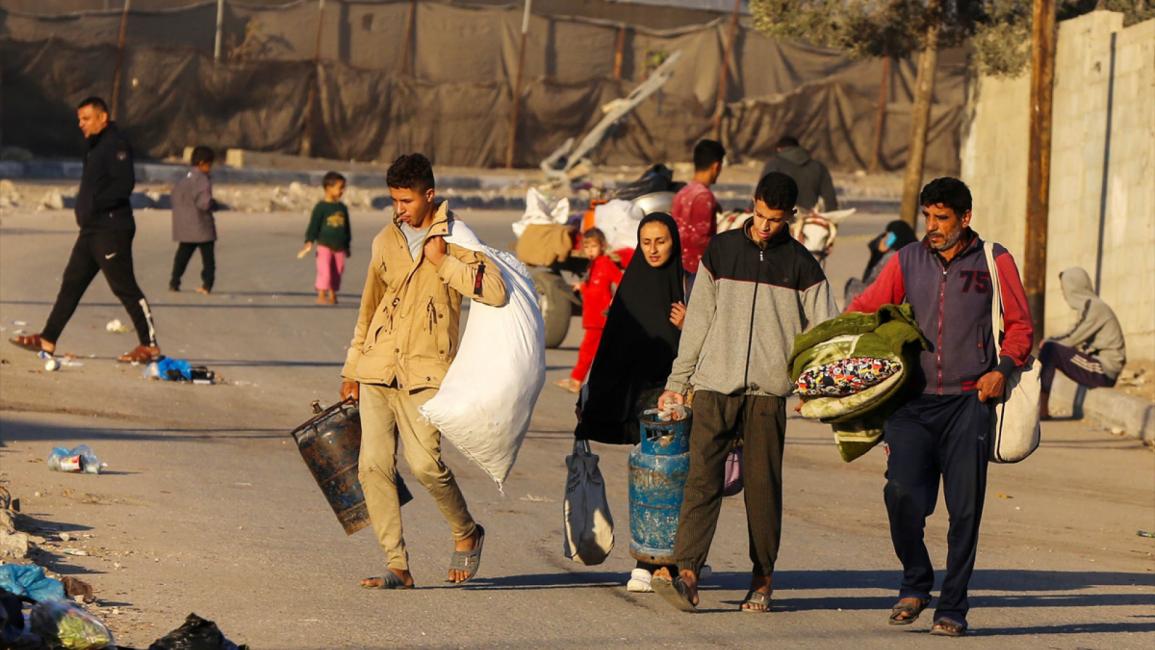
x: 998, y: 30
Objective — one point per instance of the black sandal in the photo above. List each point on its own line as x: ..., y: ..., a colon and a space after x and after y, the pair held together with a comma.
x: 905, y: 613
x: 675, y: 591
x: 389, y: 580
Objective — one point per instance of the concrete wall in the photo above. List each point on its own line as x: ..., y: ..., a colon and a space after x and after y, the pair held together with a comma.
x: 1103, y: 153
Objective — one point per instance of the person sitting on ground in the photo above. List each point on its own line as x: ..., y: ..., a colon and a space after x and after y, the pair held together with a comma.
x: 329, y: 227
x: 637, y: 347
x: 898, y: 233
x: 812, y: 177
x: 695, y: 209
x: 597, y: 293
x: 1092, y: 352
x: 193, y: 225
x: 756, y: 290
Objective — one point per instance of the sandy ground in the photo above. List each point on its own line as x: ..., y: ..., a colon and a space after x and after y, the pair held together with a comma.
x: 207, y: 507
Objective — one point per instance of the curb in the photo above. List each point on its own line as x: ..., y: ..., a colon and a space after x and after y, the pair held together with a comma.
x: 1111, y: 408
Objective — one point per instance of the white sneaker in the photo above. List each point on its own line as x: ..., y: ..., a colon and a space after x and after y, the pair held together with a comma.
x: 639, y: 582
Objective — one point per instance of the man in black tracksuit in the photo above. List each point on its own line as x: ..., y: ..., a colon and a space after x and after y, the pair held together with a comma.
x: 104, y: 244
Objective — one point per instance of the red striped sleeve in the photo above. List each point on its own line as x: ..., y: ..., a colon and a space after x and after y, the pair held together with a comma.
x: 888, y: 289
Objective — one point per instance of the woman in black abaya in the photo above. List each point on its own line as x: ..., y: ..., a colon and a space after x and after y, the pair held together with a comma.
x: 638, y: 345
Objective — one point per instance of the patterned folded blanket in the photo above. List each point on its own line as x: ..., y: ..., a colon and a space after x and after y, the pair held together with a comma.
x: 846, y: 377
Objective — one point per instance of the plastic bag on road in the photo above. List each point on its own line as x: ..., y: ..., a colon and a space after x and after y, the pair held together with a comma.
x: 486, y: 399
x: 195, y: 634
x: 28, y: 580
x: 61, y: 624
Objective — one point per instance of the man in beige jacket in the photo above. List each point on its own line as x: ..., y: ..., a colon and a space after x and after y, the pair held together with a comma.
x: 405, y: 338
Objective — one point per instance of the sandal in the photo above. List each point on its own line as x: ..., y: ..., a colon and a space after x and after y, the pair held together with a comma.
x: 468, y: 561
x: 388, y: 580
x: 906, y: 612
x: 27, y: 341
x: 948, y: 627
x: 675, y: 591
x: 757, y: 602
x: 140, y: 354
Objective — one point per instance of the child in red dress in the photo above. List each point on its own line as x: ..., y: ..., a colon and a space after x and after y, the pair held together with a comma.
x: 597, y: 292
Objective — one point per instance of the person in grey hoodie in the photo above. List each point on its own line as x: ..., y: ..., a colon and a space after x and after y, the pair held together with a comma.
x: 1091, y: 353
x: 193, y: 225
x: 812, y: 177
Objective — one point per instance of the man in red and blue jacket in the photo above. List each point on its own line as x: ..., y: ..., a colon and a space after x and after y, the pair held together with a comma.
x: 944, y: 432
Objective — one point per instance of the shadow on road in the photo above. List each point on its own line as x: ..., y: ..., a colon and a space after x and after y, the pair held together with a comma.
x: 14, y: 430
x: 349, y: 305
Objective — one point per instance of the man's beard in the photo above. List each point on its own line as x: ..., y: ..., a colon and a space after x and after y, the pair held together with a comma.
x: 948, y: 243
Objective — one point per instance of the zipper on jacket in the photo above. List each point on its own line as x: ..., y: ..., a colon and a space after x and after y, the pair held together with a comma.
x: 941, y: 317
x: 753, y: 307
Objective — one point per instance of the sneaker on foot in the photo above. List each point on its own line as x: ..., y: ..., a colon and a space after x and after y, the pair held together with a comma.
x: 639, y: 582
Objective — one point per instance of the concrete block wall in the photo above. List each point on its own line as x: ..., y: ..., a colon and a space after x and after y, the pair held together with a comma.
x: 1129, y: 233
x: 994, y: 159
x: 995, y: 156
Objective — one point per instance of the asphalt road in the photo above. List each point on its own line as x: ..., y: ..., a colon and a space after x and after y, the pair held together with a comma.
x: 207, y: 507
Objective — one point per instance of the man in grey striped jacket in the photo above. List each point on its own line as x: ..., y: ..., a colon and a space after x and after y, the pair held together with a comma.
x: 757, y: 288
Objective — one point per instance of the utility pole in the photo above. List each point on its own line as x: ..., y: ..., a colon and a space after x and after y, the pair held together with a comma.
x: 1039, y: 158
x: 920, y: 121
x: 511, y: 149
x: 880, y: 115
x: 220, y: 23
x: 118, y: 73
x: 727, y: 57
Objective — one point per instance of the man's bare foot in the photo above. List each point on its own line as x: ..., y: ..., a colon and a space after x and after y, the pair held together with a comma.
x: 688, y: 579
x: 203, y: 291
x: 758, y: 598
x: 464, y: 546
x: 395, y: 579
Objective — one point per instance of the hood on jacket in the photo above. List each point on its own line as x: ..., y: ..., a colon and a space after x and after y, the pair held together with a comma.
x: 796, y: 155
x: 1077, y: 288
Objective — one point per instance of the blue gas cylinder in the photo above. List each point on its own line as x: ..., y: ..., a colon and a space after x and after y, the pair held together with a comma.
x: 659, y: 465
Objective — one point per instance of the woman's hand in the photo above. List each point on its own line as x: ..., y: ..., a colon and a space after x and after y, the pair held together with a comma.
x: 678, y: 314
x: 305, y: 250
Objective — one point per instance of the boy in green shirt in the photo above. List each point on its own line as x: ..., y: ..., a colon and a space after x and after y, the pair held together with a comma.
x: 329, y: 228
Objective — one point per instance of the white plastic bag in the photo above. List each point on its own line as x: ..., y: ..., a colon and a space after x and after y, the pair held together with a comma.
x: 619, y: 220
x: 486, y: 399
x: 538, y: 209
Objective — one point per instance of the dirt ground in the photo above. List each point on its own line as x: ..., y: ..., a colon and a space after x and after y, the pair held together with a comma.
x: 207, y: 507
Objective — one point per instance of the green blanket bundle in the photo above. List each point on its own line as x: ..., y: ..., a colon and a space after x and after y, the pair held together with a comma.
x: 891, y: 333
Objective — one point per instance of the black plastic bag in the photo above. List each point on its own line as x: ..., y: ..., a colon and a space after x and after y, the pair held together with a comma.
x: 658, y: 178
x: 196, y: 634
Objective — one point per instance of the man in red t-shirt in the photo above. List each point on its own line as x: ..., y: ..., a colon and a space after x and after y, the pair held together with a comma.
x: 695, y: 208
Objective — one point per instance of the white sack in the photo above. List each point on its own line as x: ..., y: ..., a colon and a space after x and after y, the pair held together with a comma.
x: 486, y: 399
x: 538, y: 209
x: 619, y: 220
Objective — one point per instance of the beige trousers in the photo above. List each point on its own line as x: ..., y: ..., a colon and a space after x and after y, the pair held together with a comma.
x: 386, y: 415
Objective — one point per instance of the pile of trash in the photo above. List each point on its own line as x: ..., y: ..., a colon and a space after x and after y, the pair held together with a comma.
x: 42, y: 611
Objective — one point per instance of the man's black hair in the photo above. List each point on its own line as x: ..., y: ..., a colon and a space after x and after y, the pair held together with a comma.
x: 787, y: 141
x: 201, y: 155
x: 778, y: 191
x: 706, y: 153
x: 411, y: 172
x: 332, y: 178
x: 94, y: 102
x: 948, y: 191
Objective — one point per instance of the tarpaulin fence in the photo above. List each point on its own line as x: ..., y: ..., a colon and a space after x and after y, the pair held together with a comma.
x: 445, y: 86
